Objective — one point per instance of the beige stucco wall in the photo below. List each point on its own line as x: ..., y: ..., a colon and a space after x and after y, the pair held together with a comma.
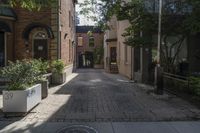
x: 123, y: 51
x: 110, y: 34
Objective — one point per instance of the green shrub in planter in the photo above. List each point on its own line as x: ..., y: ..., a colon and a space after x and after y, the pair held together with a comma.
x: 58, y: 74
x: 57, y: 66
x: 42, y: 67
x: 21, y: 74
x: 23, y: 92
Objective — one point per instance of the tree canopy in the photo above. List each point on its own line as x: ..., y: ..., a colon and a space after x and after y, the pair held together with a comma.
x: 143, y: 14
x: 180, y: 18
x: 27, y: 4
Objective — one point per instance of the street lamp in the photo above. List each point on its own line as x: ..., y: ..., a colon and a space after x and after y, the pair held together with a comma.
x: 159, y: 69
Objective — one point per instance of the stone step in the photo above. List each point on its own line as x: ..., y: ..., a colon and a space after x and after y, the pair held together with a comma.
x: 114, y: 69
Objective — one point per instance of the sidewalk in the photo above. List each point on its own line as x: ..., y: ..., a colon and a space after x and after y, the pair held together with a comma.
x: 109, y: 104
x: 123, y: 127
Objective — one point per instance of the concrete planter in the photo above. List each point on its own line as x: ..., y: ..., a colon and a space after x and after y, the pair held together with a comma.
x: 21, y: 101
x: 58, y: 78
x: 44, y: 87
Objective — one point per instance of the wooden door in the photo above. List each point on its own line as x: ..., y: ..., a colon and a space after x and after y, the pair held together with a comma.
x: 113, y: 54
x: 40, y: 49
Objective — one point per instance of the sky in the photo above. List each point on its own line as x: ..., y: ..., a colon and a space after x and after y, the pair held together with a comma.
x: 83, y: 19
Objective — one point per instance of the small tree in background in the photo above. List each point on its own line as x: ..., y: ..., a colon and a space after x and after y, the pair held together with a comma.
x: 98, y: 55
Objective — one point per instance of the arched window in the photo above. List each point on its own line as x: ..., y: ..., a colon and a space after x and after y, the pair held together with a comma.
x: 40, y: 35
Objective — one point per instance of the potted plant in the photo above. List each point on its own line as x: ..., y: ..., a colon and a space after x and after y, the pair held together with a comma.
x: 58, y: 74
x: 42, y: 67
x: 22, y: 93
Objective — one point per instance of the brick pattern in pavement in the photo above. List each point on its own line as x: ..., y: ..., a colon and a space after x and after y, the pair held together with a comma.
x: 93, y: 95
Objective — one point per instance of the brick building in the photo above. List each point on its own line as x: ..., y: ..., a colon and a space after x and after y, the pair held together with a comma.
x: 89, y: 40
x: 48, y: 34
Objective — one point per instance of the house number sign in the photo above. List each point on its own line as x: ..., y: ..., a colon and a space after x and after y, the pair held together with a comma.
x: 40, y: 48
x: 31, y: 92
x: 8, y: 95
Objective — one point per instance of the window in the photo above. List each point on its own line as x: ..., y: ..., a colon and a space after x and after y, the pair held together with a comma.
x: 91, y: 41
x: 40, y: 35
x: 119, y: 52
x: 72, y: 22
x: 125, y: 53
x: 60, y: 3
x: 80, y: 41
x: 69, y: 19
x: 70, y: 50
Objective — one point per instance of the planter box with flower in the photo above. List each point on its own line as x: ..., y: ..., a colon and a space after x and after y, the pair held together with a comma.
x: 22, y: 93
x: 58, y: 74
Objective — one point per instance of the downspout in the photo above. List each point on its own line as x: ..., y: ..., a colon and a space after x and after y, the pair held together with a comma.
x: 59, y: 35
x: 14, y: 40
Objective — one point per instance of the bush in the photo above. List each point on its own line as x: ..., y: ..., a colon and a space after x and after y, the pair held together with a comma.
x: 195, y: 85
x: 98, y: 55
x: 21, y: 74
x: 42, y: 66
x: 57, y: 66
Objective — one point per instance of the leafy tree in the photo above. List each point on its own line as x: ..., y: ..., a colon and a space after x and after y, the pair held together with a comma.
x: 99, y: 10
x: 179, y: 19
x: 28, y: 4
x: 98, y: 55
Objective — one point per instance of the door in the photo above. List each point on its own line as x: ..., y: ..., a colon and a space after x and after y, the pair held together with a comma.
x: 86, y: 60
x: 2, y: 49
x: 40, y: 49
x: 113, y: 55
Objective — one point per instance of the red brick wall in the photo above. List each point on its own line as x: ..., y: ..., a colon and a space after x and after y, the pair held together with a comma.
x: 98, y: 41
x: 57, y: 18
x: 67, y: 11
x: 25, y: 18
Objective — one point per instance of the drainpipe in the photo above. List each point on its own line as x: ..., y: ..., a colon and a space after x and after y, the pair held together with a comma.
x: 59, y: 34
x: 14, y: 40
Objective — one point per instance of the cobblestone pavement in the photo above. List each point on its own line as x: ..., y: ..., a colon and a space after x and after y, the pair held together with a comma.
x: 95, y: 96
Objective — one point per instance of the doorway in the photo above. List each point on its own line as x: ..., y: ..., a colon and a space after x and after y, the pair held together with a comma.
x: 2, y: 49
x: 113, y: 55
x: 86, y: 60
x: 40, y: 46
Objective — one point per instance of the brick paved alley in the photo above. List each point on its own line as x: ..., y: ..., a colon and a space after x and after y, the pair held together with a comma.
x: 95, y: 96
